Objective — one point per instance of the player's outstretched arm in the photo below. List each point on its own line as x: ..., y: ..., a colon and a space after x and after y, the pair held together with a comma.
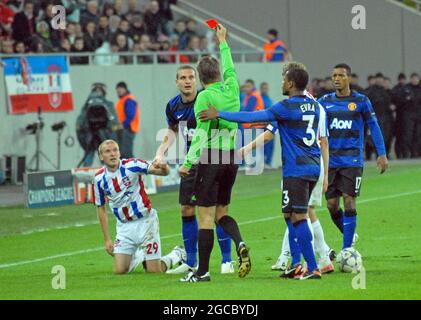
x: 103, y: 221
x: 166, y: 143
x: 230, y: 75
x: 159, y: 169
x: 240, y: 117
x: 262, y: 139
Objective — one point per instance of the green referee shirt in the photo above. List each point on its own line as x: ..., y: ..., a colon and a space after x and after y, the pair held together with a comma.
x: 216, y: 134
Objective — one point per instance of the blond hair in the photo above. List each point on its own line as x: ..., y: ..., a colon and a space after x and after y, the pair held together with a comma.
x: 103, y: 143
x: 293, y: 65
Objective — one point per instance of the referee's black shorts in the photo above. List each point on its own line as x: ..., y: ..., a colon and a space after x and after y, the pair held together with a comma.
x: 214, y: 182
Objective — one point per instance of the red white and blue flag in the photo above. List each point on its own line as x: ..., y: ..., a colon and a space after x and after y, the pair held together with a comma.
x: 34, y: 82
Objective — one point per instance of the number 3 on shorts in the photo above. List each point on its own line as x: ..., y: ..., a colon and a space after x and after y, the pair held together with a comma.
x: 285, y: 199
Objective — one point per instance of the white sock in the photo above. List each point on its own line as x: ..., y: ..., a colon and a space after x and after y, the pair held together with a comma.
x: 285, y: 244
x: 322, y: 248
x: 137, y: 258
x: 171, y: 259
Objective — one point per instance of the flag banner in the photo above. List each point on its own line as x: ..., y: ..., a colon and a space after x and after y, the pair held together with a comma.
x: 38, y: 82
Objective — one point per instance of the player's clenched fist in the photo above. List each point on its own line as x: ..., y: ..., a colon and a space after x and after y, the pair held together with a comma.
x: 109, y: 247
x: 221, y: 33
x: 159, y: 163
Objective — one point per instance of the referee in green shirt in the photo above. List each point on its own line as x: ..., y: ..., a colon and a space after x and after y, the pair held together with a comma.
x: 213, y: 149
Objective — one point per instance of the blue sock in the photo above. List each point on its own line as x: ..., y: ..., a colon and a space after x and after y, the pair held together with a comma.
x: 304, y: 238
x: 350, y: 224
x: 224, y: 241
x: 190, y: 231
x: 293, y: 245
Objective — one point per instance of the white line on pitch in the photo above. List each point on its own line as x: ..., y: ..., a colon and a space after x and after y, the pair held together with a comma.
x: 74, y: 253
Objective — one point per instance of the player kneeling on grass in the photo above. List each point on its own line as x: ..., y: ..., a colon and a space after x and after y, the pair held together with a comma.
x: 138, y: 240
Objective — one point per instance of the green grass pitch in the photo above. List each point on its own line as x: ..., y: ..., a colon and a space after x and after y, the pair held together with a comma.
x: 389, y: 224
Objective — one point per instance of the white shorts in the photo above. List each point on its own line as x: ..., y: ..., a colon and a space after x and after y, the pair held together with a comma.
x: 142, y: 233
x: 316, y: 195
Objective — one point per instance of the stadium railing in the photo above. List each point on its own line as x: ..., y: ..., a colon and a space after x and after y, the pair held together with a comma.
x: 238, y: 56
x: 244, y: 36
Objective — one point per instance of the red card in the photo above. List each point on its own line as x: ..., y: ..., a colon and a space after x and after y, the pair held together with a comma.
x: 212, y: 23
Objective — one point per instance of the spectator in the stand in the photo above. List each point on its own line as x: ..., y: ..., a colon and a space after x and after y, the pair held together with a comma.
x: 79, y: 47
x: 145, y: 40
x: 15, y: 5
x: 78, y: 30
x: 326, y: 86
x: 114, y: 21
x: 72, y: 10
x: 204, y: 44
x: 103, y: 29
x: 65, y: 46
x: 355, y: 84
x: 20, y: 47
x: 105, y: 56
x: 90, y: 14
x: 417, y: 101
x: 37, y: 46
x: 165, y: 7
x: 191, y: 28
x: 133, y: 11
x: 71, y: 32
x: 165, y: 47
x: 118, y: 8
x: 371, y: 81
x: 138, y: 28
x: 47, y: 14
x: 267, y: 102
x: 388, y: 85
x: 43, y: 35
x: 155, y: 24
x: 91, y: 38
x: 6, y: 30
x: 329, y: 86
x: 23, y: 25
x: 275, y: 49
x: 108, y: 9
x: 381, y: 102
x: 124, y: 28
x: 174, y: 48
x: 123, y: 46
x: 412, y: 119
x: 8, y: 46
x: 140, y: 47
x: 401, y: 95
x: 180, y: 31
x: 194, y: 46
x: 6, y: 14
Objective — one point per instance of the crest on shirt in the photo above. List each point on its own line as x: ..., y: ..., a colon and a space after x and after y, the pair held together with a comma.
x: 352, y: 106
x: 126, y: 181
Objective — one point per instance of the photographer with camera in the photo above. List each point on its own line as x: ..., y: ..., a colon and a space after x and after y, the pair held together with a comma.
x: 96, y: 123
x: 128, y: 114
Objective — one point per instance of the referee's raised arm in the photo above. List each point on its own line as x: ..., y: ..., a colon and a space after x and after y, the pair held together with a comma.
x: 230, y: 75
